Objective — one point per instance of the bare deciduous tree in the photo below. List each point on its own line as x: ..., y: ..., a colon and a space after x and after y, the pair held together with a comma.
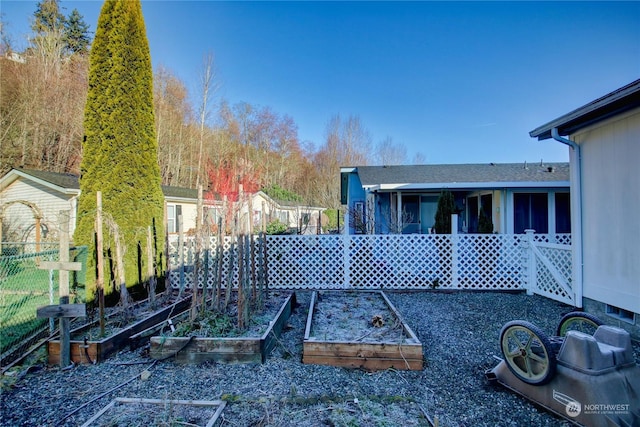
x: 347, y: 144
x: 173, y: 115
x: 208, y: 88
x: 389, y: 153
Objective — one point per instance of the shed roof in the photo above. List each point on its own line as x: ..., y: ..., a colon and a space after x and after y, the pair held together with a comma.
x: 466, y: 175
x: 614, y: 103
x: 63, y: 180
x: 71, y: 182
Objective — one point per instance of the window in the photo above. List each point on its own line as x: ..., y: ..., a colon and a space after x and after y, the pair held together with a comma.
x: 283, y: 217
x: 563, y: 213
x: 472, y: 205
x: 410, y: 214
x: 486, y: 204
x: 171, y: 219
x: 211, y: 215
x: 357, y: 219
x: 530, y: 211
x: 428, y: 208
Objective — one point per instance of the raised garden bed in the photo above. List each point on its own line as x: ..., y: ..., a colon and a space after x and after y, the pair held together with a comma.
x: 242, y: 349
x: 86, y: 349
x: 359, y: 329
x: 137, y: 411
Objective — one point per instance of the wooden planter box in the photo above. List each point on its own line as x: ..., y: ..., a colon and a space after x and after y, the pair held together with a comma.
x: 405, y: 353
x: 93, y: 351
x: 224, y: 350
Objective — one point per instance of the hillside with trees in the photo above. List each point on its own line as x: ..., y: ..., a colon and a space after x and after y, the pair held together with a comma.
x: 44, y: 90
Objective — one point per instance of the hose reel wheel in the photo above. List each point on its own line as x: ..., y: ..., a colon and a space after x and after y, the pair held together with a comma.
x: 528, y: 352
x: 578, y: 321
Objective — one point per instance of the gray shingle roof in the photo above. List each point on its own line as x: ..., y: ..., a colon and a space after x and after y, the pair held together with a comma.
x: 64, y: 180
x: 186, y: 193
x: 464, y: 173
x: 71, y: 181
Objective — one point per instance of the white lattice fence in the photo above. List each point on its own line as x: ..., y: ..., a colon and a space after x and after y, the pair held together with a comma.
x: 306, y: 262
x: 553, y: 272
x: 391, y: 261
x: 394, y: 261
x: 489, y: 261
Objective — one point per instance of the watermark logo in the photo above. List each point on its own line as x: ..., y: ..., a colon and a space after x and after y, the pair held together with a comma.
x: 572, y: 407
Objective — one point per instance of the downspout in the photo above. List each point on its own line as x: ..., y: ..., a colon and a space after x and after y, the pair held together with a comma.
x: 575, y: 158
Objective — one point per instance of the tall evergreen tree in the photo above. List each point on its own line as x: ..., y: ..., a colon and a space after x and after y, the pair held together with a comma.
x: 120, y: 149
x: 446, y: 207
x: 50, y: 25
x: 76, y: 33
x: 47, y: 17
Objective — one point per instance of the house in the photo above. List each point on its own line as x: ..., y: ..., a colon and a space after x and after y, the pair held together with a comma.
x: 604, y: 145
x: 296, y: 217
x: 404, y: 199
x: 29, y: 196
x: 31, y: 200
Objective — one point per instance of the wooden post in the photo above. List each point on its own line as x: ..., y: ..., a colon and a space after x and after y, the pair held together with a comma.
x: 241, y: 294
x: 64, y: 310
x: 232, y: 250
x: 64, y: 257
x: 0, y: 231
x: 167, y: 276
x: 38, y: 233
x: 197, y: 252
x: 100, y: 261
x: 251, y: 257
x: 120, y: 274
x: 151, y: 267
x: 206, y: 234
x: 219, y: 263
x: 180, y: 256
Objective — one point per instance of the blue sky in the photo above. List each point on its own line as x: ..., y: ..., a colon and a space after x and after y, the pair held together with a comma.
x: 459, y: 82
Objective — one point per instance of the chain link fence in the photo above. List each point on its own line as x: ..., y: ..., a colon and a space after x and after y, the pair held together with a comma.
x: 24, y: 287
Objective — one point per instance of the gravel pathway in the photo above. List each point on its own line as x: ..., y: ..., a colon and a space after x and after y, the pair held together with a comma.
x: 459, y: 332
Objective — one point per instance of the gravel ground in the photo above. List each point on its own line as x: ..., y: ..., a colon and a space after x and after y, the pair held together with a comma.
x: 459, y: 333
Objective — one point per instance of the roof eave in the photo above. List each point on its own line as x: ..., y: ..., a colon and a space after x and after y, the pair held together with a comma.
x: 174, y: 199
x: 14, y: 174
x: 474, y: 185
x: 614, y: 103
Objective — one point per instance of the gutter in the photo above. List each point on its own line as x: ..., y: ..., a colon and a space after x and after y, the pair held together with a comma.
x: 575, y: 157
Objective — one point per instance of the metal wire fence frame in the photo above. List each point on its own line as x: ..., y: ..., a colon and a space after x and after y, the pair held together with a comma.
x: 23, y: 288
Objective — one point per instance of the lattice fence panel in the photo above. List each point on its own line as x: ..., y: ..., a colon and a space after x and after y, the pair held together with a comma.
x: 411, y: 261
x: 546, y: 283
x: 306, y: 262
x: 489, y: 261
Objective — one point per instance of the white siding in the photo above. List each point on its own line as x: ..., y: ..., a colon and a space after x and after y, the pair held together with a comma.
x: 48, y: 201
x: 611, y: 211
x: 189, y: 212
